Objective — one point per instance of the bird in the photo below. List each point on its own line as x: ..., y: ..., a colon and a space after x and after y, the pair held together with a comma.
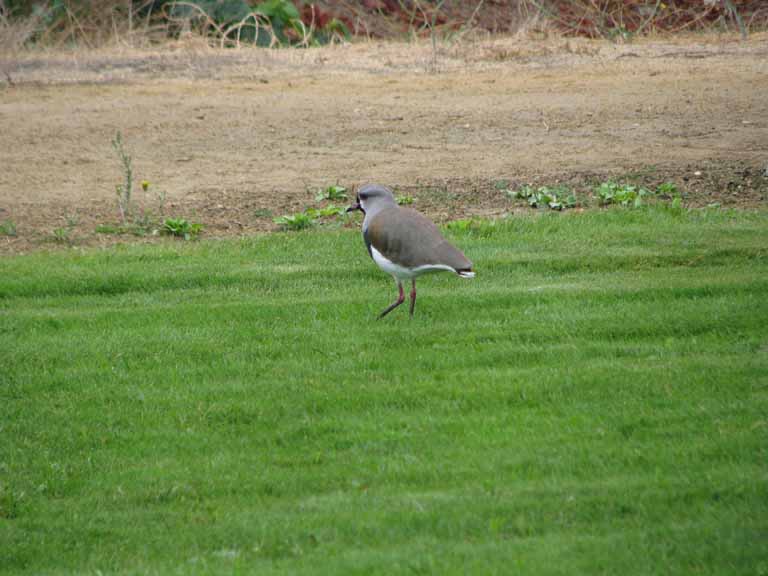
x: 404, y: 243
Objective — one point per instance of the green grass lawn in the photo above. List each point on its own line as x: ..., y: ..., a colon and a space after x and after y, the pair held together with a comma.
x: 594, y: 402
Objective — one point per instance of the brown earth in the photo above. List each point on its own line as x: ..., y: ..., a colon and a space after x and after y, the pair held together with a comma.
x: 234, y: 136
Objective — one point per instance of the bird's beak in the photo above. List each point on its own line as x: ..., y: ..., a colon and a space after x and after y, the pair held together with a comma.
x: 355, y: 206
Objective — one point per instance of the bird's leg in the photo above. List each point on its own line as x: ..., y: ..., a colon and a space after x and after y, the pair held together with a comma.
x: 413, y: 295
x: 400, y: 300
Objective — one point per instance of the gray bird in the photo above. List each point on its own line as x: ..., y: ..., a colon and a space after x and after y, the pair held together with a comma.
x: 404, y: 243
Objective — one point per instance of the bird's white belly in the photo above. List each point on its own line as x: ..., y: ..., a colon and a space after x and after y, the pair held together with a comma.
x: 401, y: 272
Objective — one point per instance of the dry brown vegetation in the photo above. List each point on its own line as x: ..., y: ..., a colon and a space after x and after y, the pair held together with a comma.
x: 92, y: 23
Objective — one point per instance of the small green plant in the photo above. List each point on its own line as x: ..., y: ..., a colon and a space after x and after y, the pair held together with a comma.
x: 330, y: 210
x: 298, y: 221
x: 555, y: 198
x: 140, y: 221
x: 160, y: 198
x: 62, y: 235
x: 182, y: 228
x: 144, y: 220
x: 284, y: 19
x: 501, y: 184
x: 125, y: 189
x: 623, y: 194
x: 8, y: 228
x: 333, y: 193
x: 263, y: 213
x: 404, y: 200
x: 667, y: 189
x: 310, y: 216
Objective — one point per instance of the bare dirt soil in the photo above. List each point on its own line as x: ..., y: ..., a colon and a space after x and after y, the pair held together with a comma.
x: 233, y: 137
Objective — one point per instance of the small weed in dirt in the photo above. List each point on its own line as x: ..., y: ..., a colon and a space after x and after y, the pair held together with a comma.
x: 330, y: 210
x: 298, y: 221
x: 623, y: 194
x: 145, y: 221
x: 8, y: 228
x: 125, y: 189
x: 182, y: 228
x: 667, y: 190
x: 555, y: 197
x: 63, y: 234
x: 140, y: 221
x: 263, y: 213
x: 310, y: 217
x: 333, y: 193
x: 160, y: 197
x: 404, y: 200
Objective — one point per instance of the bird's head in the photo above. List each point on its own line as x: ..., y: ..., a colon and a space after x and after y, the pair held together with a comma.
x: 372, y: 196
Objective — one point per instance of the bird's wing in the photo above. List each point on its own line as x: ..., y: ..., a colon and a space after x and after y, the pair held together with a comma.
x: 406, y: 237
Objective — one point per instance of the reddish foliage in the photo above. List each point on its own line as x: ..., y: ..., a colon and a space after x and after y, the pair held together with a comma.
x: 595, y: 18
x: 310, y: 13
x: 590, y: 18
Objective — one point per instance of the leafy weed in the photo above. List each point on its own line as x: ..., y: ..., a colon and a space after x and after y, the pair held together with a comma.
x: 298, y: 221
x: 8, y: 228
x: 333, y: 193
x: 623, y: 194
x: 330, y: 210
x: 182, y: 228
x: 555, y: 198
x: 61, y: 235
x: 667, y: 190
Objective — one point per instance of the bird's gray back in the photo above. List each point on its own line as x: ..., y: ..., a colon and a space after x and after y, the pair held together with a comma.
x: 410, y: 239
